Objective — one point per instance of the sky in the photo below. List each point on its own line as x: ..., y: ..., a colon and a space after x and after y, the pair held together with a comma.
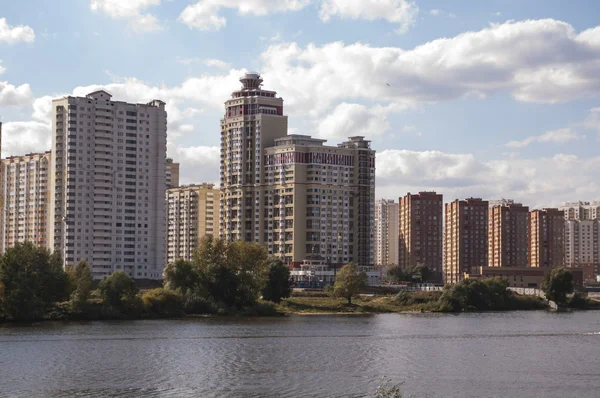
x: 492, y: 99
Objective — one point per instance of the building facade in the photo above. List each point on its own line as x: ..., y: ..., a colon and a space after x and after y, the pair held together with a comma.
x: 582, y: 246
x: 546, y: 238
x: 508, y: 235
x: 108, y: 184
x: 465, y: 238
x: 172, y: 174
x: 319, y: 200
x: 386, y: 233
x: 420, y: 231
x: 581, y: 210
x: 192, y: 212
x: 253, y: 120
x: 24, y: 215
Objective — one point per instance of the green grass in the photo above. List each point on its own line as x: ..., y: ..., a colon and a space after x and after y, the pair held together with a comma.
x: 360, y: 305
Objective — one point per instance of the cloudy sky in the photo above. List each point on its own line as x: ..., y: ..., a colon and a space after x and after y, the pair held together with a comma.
x: 471, y: 98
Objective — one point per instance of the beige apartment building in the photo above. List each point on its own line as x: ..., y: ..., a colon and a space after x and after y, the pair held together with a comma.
x: 25, y: 195
x: 581, y: 210
x: 465, y: 238
x: 252, y: 122
x: 582, y: 243
x: 508, y: 235
x: 420, y: 218
x: 172, y: 173
x: 546, y: 238
x: 192, y: 212
x: 319, y: 200
x: 108, y: 182
x: 386, y: 233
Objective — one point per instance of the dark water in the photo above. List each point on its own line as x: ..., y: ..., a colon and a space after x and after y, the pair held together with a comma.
x: 519, y: 354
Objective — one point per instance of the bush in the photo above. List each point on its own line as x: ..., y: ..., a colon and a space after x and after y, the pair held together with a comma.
x: 196, y: 304
x: 477, y: 295
x: 578, y: 300
x: 163, y: 303
x: 262, y: 308
x: 279, y: 283
x: 119, y: 295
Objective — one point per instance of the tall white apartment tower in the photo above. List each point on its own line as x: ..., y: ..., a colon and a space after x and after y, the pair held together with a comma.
x: 107, y: 199
x: 386, y: 233
x: 253, y: 120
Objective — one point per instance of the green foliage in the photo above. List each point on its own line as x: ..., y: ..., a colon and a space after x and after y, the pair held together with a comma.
x: 119, y: 293
x: 81, y: 282
x: 385, y: 390
x: 180, y: 275
x: 279, y: 282
x: 397, y: 274
x: 557, y: 284
x: 33, y: 281
x: 477, y: 295
x: 163, y: 303
x: 349, y: 282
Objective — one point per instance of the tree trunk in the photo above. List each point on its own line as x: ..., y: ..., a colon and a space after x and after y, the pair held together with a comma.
x: 349, y: 300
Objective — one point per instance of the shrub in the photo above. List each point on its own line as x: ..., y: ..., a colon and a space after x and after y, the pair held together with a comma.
x: 163, y: 303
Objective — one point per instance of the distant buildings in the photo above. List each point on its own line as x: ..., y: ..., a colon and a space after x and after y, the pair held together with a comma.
x: 386, y: 233
x: 508, y: 235
x: 192, y: 212
x: 172, y: 173
x: 465, y: 238
x: 546, y: 238
x: 582, y: 243
x: 420, y: 220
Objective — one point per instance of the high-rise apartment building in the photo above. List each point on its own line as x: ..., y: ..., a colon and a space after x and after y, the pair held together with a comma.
x: 581, y: 210
x: 253, y: 120
x: 192, y: 212
x: 420, y: 231
x: 465, y: 238
x: 319, y: 200
x: 24, y: 208
x: 546, y: 238
x: 508, y: 235
x: 108, y: 184
x: 172, y: 174
x: 386, y: 233
x: 582, y: 246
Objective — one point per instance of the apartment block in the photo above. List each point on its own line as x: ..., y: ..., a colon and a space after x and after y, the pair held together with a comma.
x: 508, y: 235
x: 581, y: 210
x: 386, y: 233
x: 319, y: 200
x: 420, y: 231
x: 25, y: 197
x: 253, y: 120
x: 582, y: 246
x: 192, y: 212
x: 108, y: 184
x: 546, y: 238
x: 465, y: 238
x: 172, y: 173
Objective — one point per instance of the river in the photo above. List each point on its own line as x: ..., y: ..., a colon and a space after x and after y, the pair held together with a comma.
x: 512, y: 354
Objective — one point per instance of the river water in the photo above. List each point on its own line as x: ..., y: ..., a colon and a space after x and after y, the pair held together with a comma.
x: 514, y: 354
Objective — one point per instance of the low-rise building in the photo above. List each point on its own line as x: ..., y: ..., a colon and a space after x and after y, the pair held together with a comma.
x: 525, y: 277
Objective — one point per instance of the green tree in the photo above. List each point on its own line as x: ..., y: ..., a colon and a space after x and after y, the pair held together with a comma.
x: 163, y: 302
x: 249, y: 263
x: 81, y: 282
x: 33, y: 281
x: 349, y: 282
x: 396, y: 274
x: 118, y: 291
x: 180, y: 275
x: 279, y: 283
x: 557, y: 284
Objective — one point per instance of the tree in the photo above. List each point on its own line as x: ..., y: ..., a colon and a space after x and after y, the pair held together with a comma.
x: 349, y: 282
x: 163, y: 302
x: 33, y: 280
x: 279, y: 283
x: 396, y: 274
x: 557, y: 284
x: 249, y: 263
x: 81, y: 282
x: 180, y: 275
x: 118, y: 291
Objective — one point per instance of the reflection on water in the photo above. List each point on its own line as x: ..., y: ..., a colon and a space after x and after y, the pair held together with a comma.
x: 519, y: 354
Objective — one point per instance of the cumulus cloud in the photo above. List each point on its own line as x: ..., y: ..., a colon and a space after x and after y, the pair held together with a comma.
x: 560, y: 136
x: 15, y: 96
x: 539, y: 182
x: 401, y: 12
x: 198, y: 163
x: 19, y: 138
x: 15, y: 34
x: 131, y: 10
x: 204, y: 14
x: 217, y: 63
x: 536, y: 61
x: 593, y: 120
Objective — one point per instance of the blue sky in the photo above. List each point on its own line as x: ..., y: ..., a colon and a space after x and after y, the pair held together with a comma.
x: 485, y: 98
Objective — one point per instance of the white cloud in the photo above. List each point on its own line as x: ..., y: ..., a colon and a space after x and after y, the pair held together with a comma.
x: 19, y: 138
x: 536, y: 61
x: 198, y: 163
x: 538, y: 182
x: 14, y: 34
x: 15, y: 96
x: 560, y: 136
x: 435, y: 12
x: 204, y: 14
x: 217, y: 63
x: 593, y: 120
x: 130, y: 10
x: 2, y: 69
x: 401, y: 12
